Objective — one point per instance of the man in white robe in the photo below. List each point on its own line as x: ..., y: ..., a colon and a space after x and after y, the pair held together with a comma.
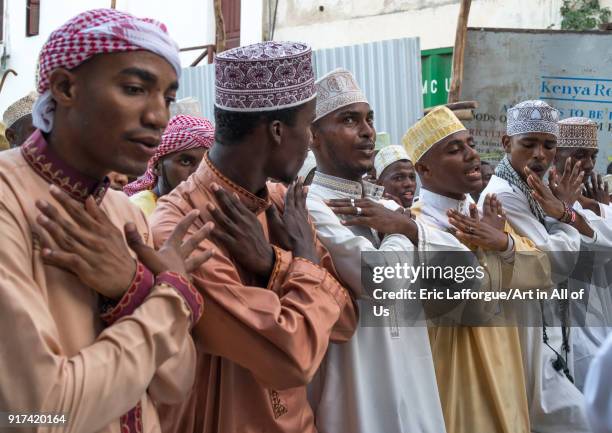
x: 597, y: 390
x: 578, y: 143
x: 383, y: 379
x: 555, y: 404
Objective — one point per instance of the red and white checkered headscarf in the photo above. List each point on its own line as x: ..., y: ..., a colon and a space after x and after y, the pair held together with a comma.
x: 98, y: 31
x: 183, y: 132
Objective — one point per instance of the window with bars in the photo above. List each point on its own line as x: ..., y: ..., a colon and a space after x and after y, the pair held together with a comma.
x: 32, y: 17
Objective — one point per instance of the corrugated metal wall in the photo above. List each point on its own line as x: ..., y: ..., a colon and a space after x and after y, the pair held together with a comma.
x: 199, y: 82
x: 389, y: 73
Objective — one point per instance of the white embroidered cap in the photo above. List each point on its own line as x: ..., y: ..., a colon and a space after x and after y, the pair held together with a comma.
x: 335, y: 90
x: 387, y: 156
x: 532, y: 116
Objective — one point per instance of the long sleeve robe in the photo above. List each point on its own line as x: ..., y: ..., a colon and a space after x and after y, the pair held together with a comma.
x: 257, y: 347
x: 383, y: 379
x: 555, y: 404
x: 595, y: 317
x: 597, y: 389
x: 58, y: 356
x: 480, y: 369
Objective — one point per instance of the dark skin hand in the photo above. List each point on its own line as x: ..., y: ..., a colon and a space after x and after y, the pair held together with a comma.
x: 175, y: 255
x: 597, y: 190
x: 568, y: 187
x: 486, y: 232
x: 552, y: 205
x: 92, y: 248
x: 375, y: 216
x: 239, y: 231
x: 292, y: 230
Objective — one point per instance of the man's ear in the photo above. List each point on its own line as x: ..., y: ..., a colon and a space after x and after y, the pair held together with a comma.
x: 506, y: 143
x: 62, y: 82
x: 10, y: 135
x: 422, y: 170
x: 276, y: 129
x: 316, y: 137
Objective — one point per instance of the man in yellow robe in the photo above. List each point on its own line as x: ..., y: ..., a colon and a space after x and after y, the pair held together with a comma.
x: 479, y: 369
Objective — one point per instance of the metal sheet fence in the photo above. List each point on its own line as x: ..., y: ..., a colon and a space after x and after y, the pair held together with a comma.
x: 389, y: 73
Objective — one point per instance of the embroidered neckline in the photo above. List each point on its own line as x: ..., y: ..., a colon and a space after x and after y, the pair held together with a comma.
x: 254, y: 203
x: 351, y: 188
x: 50, y: 167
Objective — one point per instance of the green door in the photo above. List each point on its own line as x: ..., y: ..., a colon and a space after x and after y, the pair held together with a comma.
x: 436, y: 72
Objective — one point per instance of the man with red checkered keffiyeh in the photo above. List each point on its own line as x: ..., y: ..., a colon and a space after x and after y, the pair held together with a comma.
x: 182, y: 147
x: 95, y: 331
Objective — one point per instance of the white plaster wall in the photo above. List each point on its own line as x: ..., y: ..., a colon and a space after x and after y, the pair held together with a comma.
x: 190, y: 22
x: 347, y: 22
x: 251, y: 21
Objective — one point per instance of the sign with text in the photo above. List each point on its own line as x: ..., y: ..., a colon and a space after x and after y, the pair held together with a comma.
x: 572, y: 71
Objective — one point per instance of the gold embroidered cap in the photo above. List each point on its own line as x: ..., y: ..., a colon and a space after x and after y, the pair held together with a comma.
x: 437, y: 125
x: 18, y: 109
x: 387, y: 156
x: 577, y: 132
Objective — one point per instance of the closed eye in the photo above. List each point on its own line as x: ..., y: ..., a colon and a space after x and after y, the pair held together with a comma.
x: 131, y: 89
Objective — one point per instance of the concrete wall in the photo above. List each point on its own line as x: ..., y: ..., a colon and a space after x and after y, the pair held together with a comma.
x: 190, y: 23
x: 347, y: 22
x: 251, y: 21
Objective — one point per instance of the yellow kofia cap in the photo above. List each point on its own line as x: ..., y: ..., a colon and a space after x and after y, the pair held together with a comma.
x: 437, y: 125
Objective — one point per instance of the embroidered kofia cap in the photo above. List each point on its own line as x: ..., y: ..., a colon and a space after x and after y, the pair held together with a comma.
x: 438, y: 124
x: 532, y: 116
x: 18, y: 109
x: 335, y: 90
x: 265, y: 76
x: 387, y: 156
x: 577, y: 132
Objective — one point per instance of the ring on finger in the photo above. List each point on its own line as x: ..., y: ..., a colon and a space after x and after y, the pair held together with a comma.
x: 353, y: 202
x: 358, y: 210
x: 471, y: 230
